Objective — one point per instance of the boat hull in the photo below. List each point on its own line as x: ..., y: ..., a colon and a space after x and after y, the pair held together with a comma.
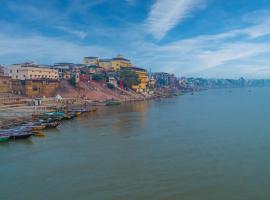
x: 21, y: 136
x: 4, y: 139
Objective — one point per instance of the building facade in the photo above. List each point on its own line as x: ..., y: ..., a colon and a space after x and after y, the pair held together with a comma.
x: 105, y: 64
x: 29, y: 71
x: 5, y: 84
x: 143, y: 77
x: 91, y: 61
x: 120, y: 62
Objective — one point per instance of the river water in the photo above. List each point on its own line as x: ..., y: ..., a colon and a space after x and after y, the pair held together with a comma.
x: 213, y: 145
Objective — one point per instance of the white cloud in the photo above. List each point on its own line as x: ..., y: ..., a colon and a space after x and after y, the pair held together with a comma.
x: 45, y: 50
x: 166, y: 14
x: 205, y: 54
x: 78, y: 33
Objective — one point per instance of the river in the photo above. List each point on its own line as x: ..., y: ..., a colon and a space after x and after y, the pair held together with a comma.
x: 213, y: 145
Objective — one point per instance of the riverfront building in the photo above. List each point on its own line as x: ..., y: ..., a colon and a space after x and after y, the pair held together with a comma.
x: 30, y: 71
x: 91, y: 61
x: 120, y: 62
x: 143, y: 77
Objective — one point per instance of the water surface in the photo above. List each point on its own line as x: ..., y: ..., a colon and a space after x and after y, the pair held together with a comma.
x: 211, y: 145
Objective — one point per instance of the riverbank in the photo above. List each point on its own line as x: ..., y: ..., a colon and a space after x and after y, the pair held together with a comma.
x: 17, y: 109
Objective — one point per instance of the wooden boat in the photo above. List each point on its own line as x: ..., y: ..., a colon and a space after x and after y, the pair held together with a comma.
x: 51, y: 124
x: 22, y: 135
x: 78, y: 113
x: 21, y: 132
x: 69, y: 116
x: 93, y: 110
x: 38, y: 134
x: 38, y: 127
x: 54, y: 113
x: 4, y: 137
x: 113, y: 103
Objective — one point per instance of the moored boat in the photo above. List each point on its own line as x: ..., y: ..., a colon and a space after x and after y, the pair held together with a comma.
x: 38, y: 134
x: 51, y: 124
x: 113, y: 103
x: 4, y: 137
x: 38, y: 127
x: 21, y: 132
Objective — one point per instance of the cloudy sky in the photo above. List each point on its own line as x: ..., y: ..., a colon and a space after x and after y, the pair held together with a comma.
x: 203, y: 38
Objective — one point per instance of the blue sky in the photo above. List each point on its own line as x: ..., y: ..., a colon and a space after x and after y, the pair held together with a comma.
x: 203, y: 38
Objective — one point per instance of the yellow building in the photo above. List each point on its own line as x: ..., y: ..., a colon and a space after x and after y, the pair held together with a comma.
x: 120, y: 62
x: 90, y: 61
x: 29, y: 71
x: 143, y: 77
x: 105, y: 64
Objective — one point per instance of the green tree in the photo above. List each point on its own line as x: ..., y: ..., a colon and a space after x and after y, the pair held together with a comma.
x: 110, y: 86
x: 129, y: 77
x: 98, y: 77
x: 72, y: 81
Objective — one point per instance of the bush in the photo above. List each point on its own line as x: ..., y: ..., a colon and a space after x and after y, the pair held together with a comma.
x: 129, y: 77
x: 110, y: 86
x: 98, y: 77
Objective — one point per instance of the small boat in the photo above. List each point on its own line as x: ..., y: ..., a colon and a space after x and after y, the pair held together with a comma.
x: 93, y: 110
x: 22, y: 135
x: 38, y: 127
x: 69, y: 116
x: 38, y: 134
x: 51, y: 124
x: 113, y: 103
x: 78, y: 113
x: 54, y: 113
x: 21, y: 132
x: 4, y: 137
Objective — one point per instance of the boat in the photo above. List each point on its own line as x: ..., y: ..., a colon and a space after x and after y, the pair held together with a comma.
x: 93, y: 110
x: 21, y: 135
x: 54, y: 113
x: 4, y: 137
x: 21, y: 132
x: 38, y: 134
x: 69, y: 116
x: 38, y: 127
x: 51, y: 124
x: 113, y: 103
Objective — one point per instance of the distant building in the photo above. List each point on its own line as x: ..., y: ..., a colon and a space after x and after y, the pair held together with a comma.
x: 35, y: 88
x: 164, y: 79
x: 2, y: 70
x: 31, y: 71
x: 90, y: 61
x: 105, y: 64
x: 143, y: 77
x: 5, y: 84
x: 64, y: 69
x: 120, y: 62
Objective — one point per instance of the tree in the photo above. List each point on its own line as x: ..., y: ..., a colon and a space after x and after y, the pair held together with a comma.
x: 129, y: 77
x: 72, y: 81
x: 110, y: 86
x: 98, y: 77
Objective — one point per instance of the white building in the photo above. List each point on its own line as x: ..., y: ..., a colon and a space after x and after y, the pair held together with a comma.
x: 28, y: 71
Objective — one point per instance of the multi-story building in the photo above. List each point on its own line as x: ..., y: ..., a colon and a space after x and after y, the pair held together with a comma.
x: 90, y: 61
x: 28, y: 71
x: 2, y: 70
x: 64, y: 69
x: 143, y: 77
x: 164, y: 79
x: 120, y: 62
x: 105, y: 64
